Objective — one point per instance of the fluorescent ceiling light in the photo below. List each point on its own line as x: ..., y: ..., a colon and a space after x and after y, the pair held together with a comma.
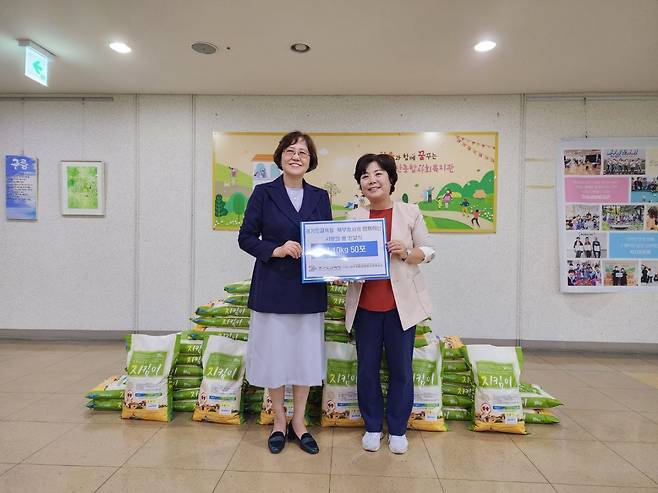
x: 121, y: 47
x: 483, y: 46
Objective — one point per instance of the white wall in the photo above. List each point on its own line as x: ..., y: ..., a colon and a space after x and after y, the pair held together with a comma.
x: 70, y: 272
x: 154, y: 256
x: 547, y: 314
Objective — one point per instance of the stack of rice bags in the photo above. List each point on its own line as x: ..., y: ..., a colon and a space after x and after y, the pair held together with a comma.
x: 187, y: 373
x: 537, y: 404
x: 497, y: 374
x: 150, y: 363
x: 228, y: 316
x: 108, y: 395
x: 334, y: 318
x: 340, y: 405
x: 252, y: 399
x: 457, y: 381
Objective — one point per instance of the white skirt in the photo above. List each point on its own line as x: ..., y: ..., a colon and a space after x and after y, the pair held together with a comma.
x: 286, y: 349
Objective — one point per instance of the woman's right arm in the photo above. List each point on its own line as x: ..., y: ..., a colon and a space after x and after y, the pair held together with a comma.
x: 251, y: 230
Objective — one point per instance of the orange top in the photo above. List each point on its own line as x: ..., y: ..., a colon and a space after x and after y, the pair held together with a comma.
x: 377, y: 295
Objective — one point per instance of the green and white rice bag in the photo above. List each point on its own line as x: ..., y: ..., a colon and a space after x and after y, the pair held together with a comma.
x: 222, y: 321
x: 148, y: 387
x: 110, y: 388
x: 497, y: 374
x: 221, y: 388
x: 185, y: 406
x: 191, y: 347
x: 218, y: 308
x: 534, y: 397
x: 267, y: 413
x: 180, y: 383
x: 105, y: 404
x: 540, y: 417
x: 237, y: 299
x: 457, y: 401
x: 238, y: 287
x: 340, y: 405
x: 426, y: 413
x: 457, y: 413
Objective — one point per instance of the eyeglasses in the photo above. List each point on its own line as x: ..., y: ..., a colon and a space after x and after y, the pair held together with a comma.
x: 303, y: 155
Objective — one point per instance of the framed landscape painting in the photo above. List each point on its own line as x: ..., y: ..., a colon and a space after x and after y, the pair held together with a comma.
x: 83, y: 188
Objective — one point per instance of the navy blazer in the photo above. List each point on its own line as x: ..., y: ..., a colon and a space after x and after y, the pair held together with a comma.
x: 269, y: 221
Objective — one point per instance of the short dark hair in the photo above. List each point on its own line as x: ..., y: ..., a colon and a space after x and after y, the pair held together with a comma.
x: 292, y: 138
x: 385, y: 161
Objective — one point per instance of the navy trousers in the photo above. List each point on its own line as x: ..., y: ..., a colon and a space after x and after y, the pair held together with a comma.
x: 374, y: 331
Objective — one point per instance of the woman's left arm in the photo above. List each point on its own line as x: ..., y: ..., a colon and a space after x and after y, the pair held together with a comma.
x: 422, y: 250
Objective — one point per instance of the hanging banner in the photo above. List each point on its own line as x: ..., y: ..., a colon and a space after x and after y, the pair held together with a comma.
x: 608, y: 215
x: 21, y: 178
x: 451, y: 176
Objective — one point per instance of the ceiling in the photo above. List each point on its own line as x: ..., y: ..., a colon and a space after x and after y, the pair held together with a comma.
x: 413, y: 47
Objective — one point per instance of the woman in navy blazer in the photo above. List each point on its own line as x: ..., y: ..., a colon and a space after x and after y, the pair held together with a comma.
x: 286, y: 337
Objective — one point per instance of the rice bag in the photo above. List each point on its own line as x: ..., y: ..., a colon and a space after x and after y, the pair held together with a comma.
x: 221, y: 388
x: 238, y: 287
x: 267, y: 413
x: 497, y: 373
x: 457, y: 414
x: 426, y: 413
x: 340, y: 406
x: 148, y: 386
x: 540, y: 417
x: 534, y: 397
x: 218, y: 308
x: 105, y: 404
x: 110, y: 388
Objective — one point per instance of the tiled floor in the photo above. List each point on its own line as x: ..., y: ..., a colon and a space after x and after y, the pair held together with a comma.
x: 607, y: 441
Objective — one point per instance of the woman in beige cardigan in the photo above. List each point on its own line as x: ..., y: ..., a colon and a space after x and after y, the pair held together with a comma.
x: 384, y: 313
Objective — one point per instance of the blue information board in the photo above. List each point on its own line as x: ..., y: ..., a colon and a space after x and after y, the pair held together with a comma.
x: 21, y: 187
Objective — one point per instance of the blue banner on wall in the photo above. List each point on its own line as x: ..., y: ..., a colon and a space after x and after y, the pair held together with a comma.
x: 21, y: 189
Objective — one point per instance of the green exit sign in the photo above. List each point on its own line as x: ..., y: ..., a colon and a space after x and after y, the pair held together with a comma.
x: 36, y: 66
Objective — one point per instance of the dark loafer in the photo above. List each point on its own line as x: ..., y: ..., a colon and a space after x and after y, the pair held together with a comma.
x: 276, y: 442
x: 306, y: 442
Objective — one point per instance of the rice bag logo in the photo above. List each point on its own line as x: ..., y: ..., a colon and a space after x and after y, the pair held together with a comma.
x: 223, y: 366
x: 424, y: 373
x: 496, y: 375
x: 341, y: 372
x: 147, y: 363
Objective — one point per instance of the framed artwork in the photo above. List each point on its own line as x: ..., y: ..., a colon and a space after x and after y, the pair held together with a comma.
x: 451, y: 176
x: 82, y: 186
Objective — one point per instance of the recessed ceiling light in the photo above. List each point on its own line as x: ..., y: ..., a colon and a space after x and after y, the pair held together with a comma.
x: 483, y: 46
x: 300, y: 47
x: 204, y: 48
x: 121, y: 47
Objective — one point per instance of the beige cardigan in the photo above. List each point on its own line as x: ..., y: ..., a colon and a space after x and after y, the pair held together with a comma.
x: 409, y: 290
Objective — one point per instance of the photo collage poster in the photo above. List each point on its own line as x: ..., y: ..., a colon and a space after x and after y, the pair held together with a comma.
x: 608, y: 215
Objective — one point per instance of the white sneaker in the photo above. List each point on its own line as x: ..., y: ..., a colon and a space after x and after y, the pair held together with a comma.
x: 398, y: 444
x: 371, y: 441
